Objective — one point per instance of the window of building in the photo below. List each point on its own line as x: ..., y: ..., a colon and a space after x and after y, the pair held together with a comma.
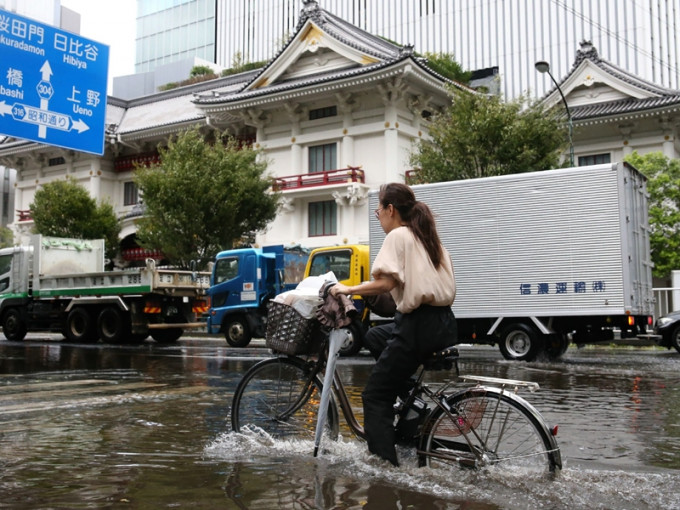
x: 323, y: 218
x: 56, y: 161
x: 594, y: 159
x: 322, y: 113
x: 130, y: 193
x: 322, y: 158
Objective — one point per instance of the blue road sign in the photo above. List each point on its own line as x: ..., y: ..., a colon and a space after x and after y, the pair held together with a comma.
x: 52, y: 85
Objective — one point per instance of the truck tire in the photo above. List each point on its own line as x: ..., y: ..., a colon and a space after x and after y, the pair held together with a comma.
x: 354, y: 343
x: 237, y: 331
x: 556, y: 346
x: 167, y: 336
x: 113, y: 325
x: 13, y: 325
x: 519, y: 342
x: 80, y: 326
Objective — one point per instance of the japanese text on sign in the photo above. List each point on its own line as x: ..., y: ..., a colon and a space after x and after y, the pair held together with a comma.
x: 578, y: 287
x: 52, y: 85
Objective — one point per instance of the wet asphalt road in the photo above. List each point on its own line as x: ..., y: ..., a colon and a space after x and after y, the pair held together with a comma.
x: 146, y: 426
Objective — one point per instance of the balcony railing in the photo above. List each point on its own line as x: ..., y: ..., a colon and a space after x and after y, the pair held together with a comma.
x: 341, y: 176
x: 127, y: 163
x: 133, y: 254
x: 24, y: 215
x: 410, y: 176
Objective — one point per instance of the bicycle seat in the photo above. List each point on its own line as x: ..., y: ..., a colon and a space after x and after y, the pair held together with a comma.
x: 441, y: 360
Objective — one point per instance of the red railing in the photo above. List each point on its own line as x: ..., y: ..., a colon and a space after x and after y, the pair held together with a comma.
x: 410, y: 176
x: 341, y: 176
x: 24, y: 215
x: 126, y: 163
x: 131, y: 254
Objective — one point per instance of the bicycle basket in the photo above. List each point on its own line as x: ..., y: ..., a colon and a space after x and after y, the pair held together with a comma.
x: 288, y: 332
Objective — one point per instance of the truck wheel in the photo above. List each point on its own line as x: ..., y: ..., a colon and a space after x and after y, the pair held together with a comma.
x: 80, y: 326
x: 13, y: 326
x: 556, y: 346
x: 167, y: 336
x: 519, y: 342
x: 237, y: 332
x: 113, y: 325
x: 353, y: 343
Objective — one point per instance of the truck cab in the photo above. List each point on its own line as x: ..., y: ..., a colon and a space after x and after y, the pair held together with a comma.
x: 242, y: 282
x: 350, y: 265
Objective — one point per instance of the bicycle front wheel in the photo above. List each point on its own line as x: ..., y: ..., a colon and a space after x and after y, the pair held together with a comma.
x: 486, y: 427
x: 281, y: 397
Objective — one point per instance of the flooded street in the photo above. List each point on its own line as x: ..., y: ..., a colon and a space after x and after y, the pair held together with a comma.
x: 147, y: 426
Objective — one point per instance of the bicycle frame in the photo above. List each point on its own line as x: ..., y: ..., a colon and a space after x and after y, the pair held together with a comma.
x: 439, y: 398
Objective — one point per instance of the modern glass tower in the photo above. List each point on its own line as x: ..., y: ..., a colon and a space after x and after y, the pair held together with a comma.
x: 172, y: 30
x: 641, y: 37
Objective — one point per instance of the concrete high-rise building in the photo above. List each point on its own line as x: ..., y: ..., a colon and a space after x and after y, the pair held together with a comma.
x: 640, y: 37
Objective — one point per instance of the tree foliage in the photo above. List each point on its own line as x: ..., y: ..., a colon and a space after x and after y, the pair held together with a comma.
x: 446, y: 65
x: 663, y: 186
x: 480, y: 136
x: 200, y: 71
x: 64, y: 208
x: 6, y: 237
x: 202, y: 198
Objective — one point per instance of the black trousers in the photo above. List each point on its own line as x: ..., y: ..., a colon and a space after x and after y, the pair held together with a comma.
x: 400, y: 347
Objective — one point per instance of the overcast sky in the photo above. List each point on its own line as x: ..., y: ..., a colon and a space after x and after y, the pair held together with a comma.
x: 112, y: 23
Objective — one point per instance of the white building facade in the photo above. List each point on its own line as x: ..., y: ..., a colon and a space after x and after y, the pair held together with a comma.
x: 337, y: 113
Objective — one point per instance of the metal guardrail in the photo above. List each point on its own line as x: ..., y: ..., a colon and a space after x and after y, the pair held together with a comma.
x: 666, y: 299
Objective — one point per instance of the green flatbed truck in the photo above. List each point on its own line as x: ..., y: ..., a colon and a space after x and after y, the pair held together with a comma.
x: 60, y: 285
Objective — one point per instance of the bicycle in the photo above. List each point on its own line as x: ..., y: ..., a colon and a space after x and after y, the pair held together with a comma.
x: 479, y: 426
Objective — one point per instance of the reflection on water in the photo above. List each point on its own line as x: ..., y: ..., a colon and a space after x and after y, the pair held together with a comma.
x: 147, y: 427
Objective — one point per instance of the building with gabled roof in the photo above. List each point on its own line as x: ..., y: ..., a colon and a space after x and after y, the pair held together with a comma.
x: 615, y: 112
x: 336, y: 112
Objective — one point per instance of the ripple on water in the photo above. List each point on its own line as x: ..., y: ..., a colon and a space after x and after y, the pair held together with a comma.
x: 353, y: 474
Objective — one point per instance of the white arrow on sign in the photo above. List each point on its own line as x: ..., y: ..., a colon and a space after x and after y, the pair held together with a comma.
x: 43, y: 118
x: 46, y: 71
x: 79, y: 125
x: 5, y: 108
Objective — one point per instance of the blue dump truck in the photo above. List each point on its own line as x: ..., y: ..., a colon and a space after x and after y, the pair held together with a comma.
x: 243, y: 281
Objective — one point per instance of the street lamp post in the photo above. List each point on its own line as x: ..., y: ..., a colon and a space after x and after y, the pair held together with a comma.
x: 544, y: 67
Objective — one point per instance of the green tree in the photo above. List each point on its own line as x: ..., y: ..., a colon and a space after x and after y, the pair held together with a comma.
x: 480, y: 135
x: 663, y: 186
x: 64, y: 208
x: 200, y: 71
x: 6, y: 237
x: 202, y: 198
x: 446, y: 65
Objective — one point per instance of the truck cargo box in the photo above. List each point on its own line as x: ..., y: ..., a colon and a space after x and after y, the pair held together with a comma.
x: 570, y: 243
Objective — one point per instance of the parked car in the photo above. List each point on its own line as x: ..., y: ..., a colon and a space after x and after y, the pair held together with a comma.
x: 668, y: 330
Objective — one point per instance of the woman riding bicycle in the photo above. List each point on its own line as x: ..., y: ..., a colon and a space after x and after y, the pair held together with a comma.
x: 417, y: 271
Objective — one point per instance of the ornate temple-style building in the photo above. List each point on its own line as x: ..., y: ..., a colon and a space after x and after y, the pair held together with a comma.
x: 337, y: 112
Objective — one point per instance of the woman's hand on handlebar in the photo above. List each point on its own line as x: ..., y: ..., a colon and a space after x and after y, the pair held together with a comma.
x: 338, y: 289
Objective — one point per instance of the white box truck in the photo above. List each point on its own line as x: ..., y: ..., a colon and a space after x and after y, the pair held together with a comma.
x: 60, y: 285
x: 546, y: 258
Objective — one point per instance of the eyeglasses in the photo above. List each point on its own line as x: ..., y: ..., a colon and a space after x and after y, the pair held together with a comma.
x: 377, y: 212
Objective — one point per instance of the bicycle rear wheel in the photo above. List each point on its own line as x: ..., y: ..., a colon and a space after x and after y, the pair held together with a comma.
x: 489, y: 428
x: 280, y: 396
